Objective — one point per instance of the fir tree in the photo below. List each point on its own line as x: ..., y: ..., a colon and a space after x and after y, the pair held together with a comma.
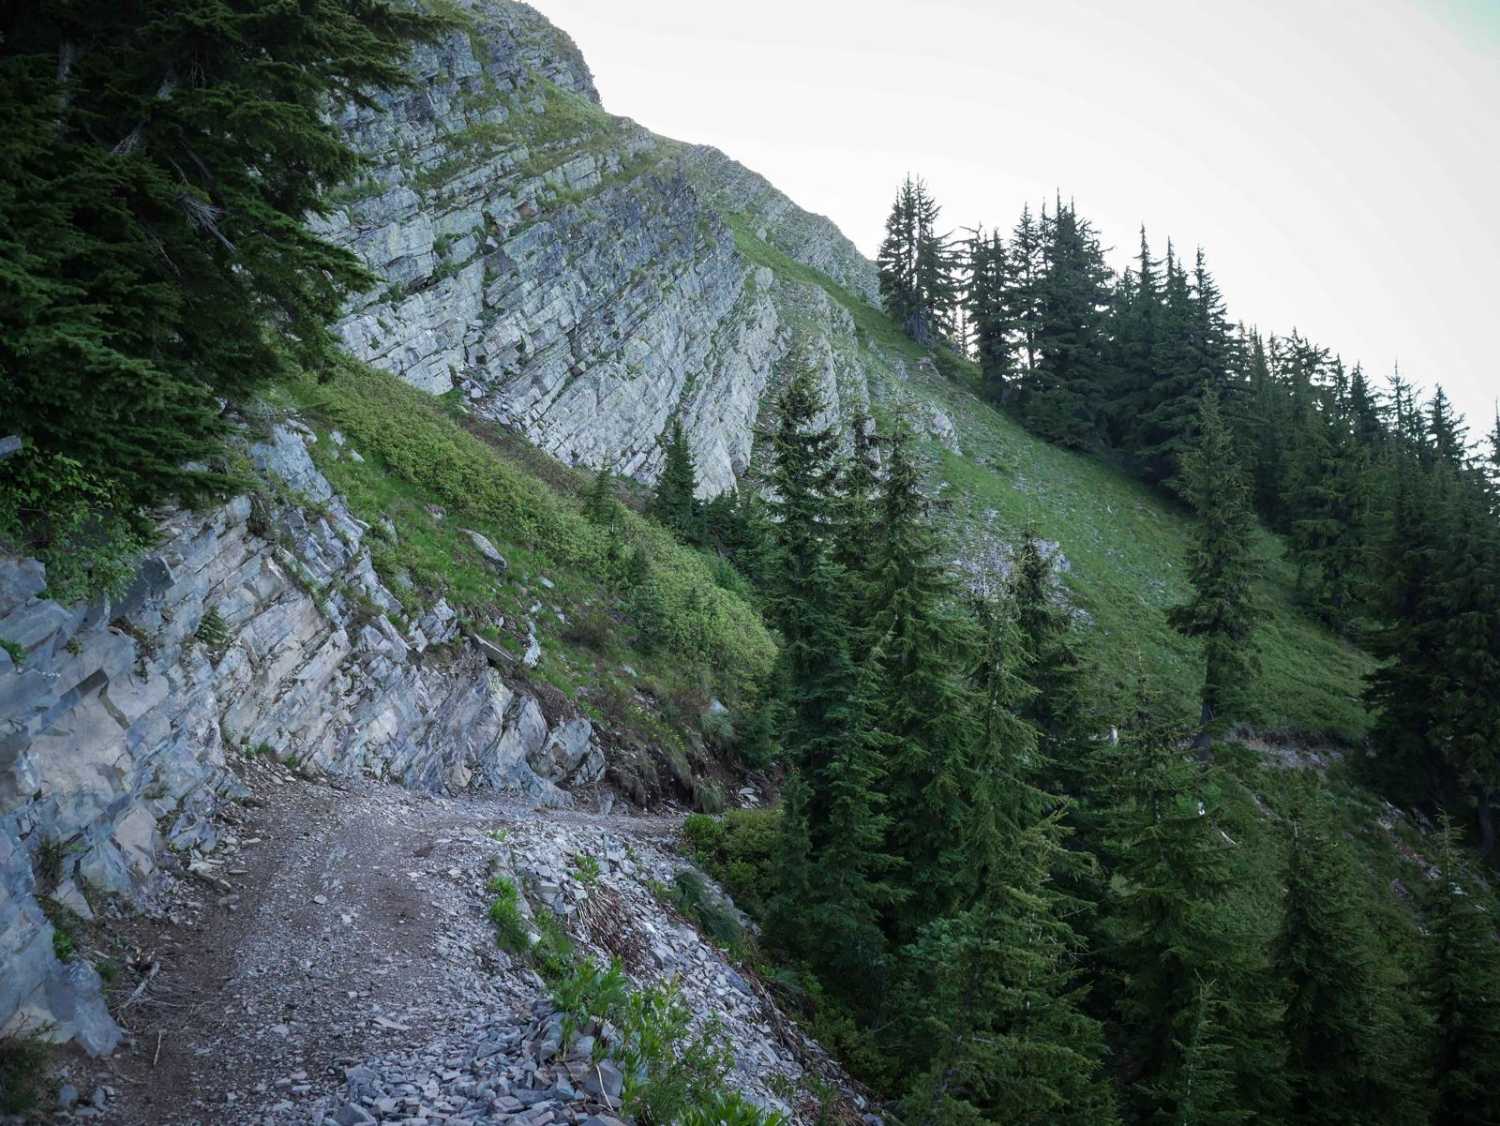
x: 833, y: 863
x: 161, y: 163
x: 989, y: 315
x: 1062, y: 394
x: 1052, y: 667
x: 675, y: 502
x: 1027, y: 261
x: 924, y: 651
x: 1179, y: 918
x: 1221, y: 566
x: 917, y: 266
x: 1462, y: 990
x: 1336, y: 1022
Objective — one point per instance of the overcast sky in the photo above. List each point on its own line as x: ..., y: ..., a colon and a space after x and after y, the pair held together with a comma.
x: 1337, y: 159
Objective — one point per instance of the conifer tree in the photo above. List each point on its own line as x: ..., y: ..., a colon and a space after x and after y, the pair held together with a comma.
x: 1052, y: 667
x: 833, y: 863
x: 158, y: 169
x: 1462, y: 990
x: 1062, y: 394
x: 1178, y: 920
x: 991, y: 987
x: 1447, y: 433
x: 1134, y: 318
x: 1337, y: 1022
x: 987, y: 304
x: 917, y: 266
x: 1329, y: 535
x: 1027, y: 261
x: 1221, y: 566
x: 675, y: 502
x: 925, y: 653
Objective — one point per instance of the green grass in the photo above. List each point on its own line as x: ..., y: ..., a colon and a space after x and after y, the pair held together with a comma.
x: 417, y: 456
x: 1126, y: 545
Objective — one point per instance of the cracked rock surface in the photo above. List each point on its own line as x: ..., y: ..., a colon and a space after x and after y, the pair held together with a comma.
x: 333, y: 962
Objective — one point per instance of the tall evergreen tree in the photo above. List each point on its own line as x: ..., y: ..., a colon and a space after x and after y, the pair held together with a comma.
x: 1062, y: 394
x: 1462, y: 990
x: 1337, y: 1024
x: 917, y: 266
x: 924, y: 648
x: 986, y: 301
x: 1028, y: 266
x: 834, y: 867
x: 675, y: 501
x: 1134, y: 318
x: 1179, y: 920
x: 1221, y: 566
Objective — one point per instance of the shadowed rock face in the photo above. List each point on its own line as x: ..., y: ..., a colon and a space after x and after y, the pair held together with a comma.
x: 568, y: 272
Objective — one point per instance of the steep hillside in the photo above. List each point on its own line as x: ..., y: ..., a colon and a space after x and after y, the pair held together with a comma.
x: 583, y: 281
x: 410, y: 589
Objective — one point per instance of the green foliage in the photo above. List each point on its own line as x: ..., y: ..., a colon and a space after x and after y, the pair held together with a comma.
x: 159, y: 167
x: 511, y: 930
x: 25, y: 1074
x: 212, y: 631
x: 586, y: 865
x: 690, y: 895
x: 739, y: 850
x: 1339, y: 1023
x: 78, y: 521
x: 15, y: 651
x: 1223, y: 610
x: 675, y: 502
x: 416, y: 455
x: 1461, y: 986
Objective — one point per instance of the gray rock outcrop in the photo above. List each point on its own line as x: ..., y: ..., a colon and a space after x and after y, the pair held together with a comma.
x: 119, y: 723
x: 575, y: 276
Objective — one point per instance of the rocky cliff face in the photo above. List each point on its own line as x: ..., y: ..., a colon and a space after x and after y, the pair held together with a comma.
x: 567, y: 272
x: 570, y: 273
x: 254, y: 629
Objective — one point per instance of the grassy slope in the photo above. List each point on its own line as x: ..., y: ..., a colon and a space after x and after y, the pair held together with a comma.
x: 1125, y: 544
x: 420, y: 455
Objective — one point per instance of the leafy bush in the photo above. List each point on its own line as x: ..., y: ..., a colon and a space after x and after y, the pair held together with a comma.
x: 24, y: 1074
x: 738, y: 850
x: 691, y: 896
x: 585, y: 991
x: 505, y: 912
x: 74, y: 520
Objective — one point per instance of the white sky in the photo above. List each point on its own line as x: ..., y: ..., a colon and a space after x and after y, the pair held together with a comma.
x: 1336, y: 158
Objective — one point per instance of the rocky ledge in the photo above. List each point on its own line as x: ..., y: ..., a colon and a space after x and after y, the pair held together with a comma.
x: 255, y: 627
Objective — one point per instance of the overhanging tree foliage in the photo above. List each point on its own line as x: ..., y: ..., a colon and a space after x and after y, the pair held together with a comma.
x: 157, y: 168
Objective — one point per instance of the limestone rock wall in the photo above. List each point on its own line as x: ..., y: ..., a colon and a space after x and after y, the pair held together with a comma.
x: 570, y: 273
x: 250, y: 629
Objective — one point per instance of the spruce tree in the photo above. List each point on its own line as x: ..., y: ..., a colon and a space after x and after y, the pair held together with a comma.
x: 675, y: 502
x: 1062, y: 395
x: 1023, y: 293
x: 918, y: 287
x: 1462, y: 991
x: 1134, y: 328
x: 989, y: 315
x: 1052, y: 667
x: 991, y: 991
x: 1221, y: 566
x: 1329, y: 534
